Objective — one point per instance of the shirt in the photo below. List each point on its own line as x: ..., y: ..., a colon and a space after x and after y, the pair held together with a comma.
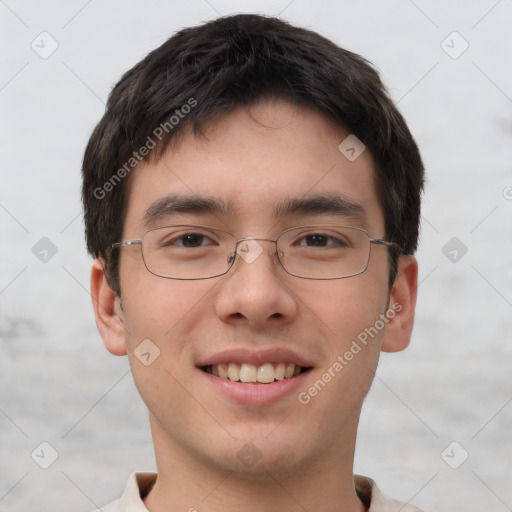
x: 139, y: 485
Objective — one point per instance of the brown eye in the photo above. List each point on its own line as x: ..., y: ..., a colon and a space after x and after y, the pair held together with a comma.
x: 186, y: 240
x: 192, y: 240
x: 322, y: 240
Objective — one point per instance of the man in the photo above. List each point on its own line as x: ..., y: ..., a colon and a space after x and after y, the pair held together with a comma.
x: 252, y: 200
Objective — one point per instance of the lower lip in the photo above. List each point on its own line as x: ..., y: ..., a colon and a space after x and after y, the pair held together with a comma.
x: 257, y: 394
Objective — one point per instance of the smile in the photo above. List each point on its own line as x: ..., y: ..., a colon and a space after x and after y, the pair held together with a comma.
x: 250, y: 373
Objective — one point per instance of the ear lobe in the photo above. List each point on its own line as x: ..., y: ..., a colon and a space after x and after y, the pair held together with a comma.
x: 107, y: 310
x: 402, y: 303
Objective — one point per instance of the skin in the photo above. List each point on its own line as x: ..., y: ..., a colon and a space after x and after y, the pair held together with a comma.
x: 253, y: 159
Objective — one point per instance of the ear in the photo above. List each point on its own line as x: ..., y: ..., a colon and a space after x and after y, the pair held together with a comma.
x: 107, y: 310
x: 402, y: 302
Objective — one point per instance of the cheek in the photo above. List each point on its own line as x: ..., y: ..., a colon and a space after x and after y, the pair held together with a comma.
x: 346, y: 316
x: 344, y: 308
x: 162, y: 310
x: 166, y: 312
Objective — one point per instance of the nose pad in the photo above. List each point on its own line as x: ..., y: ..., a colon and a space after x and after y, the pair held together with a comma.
x: 277, y: 256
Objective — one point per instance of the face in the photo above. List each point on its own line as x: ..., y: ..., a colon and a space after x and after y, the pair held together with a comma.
x: 251, y: 164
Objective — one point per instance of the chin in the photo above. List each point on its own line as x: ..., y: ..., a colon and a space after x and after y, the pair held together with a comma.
x: 262, y: 460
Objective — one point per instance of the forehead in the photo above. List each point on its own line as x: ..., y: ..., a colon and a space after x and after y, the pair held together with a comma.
x: 254, y: 165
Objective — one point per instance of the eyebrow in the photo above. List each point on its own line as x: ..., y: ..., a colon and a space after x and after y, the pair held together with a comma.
x: 172, y: 203
x: 317, y: 204
x: 322, y: 204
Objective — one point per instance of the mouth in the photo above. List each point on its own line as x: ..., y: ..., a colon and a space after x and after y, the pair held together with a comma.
x: 249, y: 373
x: 255, y: 378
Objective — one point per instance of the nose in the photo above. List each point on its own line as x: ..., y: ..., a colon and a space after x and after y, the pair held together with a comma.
x: 255, y: 292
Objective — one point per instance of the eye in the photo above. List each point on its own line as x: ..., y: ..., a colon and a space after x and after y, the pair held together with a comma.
x: 192, y: 240
x: 322, y: 240
x: 187, y: 240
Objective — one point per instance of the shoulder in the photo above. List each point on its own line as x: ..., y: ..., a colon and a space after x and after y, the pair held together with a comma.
x: 115, y: 506
x: 370, y: 494
x: 138, y: 485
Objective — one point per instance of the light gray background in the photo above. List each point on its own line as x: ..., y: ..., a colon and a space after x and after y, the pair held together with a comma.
x: 57, y: 382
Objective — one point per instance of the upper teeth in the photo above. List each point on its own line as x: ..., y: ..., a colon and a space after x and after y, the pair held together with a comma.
x: 246, y: 372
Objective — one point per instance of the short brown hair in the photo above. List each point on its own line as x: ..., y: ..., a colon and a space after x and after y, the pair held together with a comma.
x: 235, y: 61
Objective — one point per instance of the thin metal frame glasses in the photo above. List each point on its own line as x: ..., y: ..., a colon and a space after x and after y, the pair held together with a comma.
x: 193, y: 251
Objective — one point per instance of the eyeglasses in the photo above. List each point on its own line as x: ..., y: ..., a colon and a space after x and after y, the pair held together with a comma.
x: 202, y: 252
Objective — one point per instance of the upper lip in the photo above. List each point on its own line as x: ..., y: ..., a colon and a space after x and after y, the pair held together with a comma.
x: 256, y: 357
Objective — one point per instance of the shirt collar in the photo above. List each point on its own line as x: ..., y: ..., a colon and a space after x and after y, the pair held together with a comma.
x: 137, y: 488
x: 139, y: 485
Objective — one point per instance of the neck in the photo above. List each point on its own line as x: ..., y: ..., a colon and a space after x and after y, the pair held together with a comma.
x: 189, y: 484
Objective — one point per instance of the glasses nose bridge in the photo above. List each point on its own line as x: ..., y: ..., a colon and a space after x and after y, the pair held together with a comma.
x: 248, y: 238
x: 249, y: 253
x: 271, y: 240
